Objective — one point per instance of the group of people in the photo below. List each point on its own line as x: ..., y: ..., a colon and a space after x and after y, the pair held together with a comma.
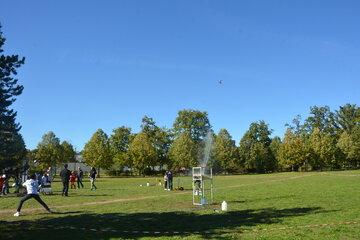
x: 33, y: 185
x: 168, y: 181
x: 35, y: 181
x: 68, y: 176
x: 32, y: 191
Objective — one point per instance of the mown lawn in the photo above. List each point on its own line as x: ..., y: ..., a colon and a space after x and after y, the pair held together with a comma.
x: 312, y: 205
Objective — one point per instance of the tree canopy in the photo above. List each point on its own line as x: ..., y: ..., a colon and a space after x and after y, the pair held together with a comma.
x: 195, y: 123
x: 96, y: 152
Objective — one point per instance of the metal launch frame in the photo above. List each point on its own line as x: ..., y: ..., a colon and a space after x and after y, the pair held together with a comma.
x: 202, y: 183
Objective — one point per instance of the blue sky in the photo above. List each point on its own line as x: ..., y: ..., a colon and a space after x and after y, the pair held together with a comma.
x: 104, y: 64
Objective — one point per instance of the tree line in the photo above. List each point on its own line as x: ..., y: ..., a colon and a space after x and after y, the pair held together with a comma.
x: 325, y: 140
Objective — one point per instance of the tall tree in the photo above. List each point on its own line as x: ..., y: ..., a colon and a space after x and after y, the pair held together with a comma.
x: 49, y: 151
x: 15, y: 152
x: 321, y: 118
x: 275, y: 146
x: 96, y: 152
x: 183, y: 152
x: 295, y: 151
x: 324, y: 147
x: 349, y: 143
x: 148, y: 126
x: 347, y: 117
x: 12, y: 146
x: 296, y: 126
x: 255, y: 150
x: 160, y: 138
x: 119, y: 143
x: 68, y: 152
x: 195, y: 123
x: 163, y: 140
x: 225, y: 152
x: 143, y: 153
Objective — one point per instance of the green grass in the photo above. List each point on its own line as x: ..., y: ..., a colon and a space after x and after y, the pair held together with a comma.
x: 271, y: 206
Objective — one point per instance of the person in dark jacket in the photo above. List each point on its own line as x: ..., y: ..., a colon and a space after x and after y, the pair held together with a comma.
x: 79, y: 177
x: 92, y: 176
x: 170, y: 180
x: 65, y: 177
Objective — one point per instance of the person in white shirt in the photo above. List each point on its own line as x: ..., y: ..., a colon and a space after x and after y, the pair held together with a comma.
x: 32, y: 187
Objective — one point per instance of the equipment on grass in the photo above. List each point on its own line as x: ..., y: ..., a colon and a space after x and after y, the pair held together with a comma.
x: 179, y: 187
x: 202, y: 183
x: 46, y: 189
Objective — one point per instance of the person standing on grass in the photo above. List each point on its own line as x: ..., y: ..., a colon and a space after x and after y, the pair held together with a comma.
x: 65, y: 177
x: 50, y: 174
x: 32, y: 187
x: 92, y: 175
x: 79, y: 177
x: 170, y: 180
x: 5, y: 183
x: 166, y: 181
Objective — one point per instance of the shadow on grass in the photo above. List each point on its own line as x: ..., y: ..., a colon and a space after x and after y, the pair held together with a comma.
x: 166, y: 224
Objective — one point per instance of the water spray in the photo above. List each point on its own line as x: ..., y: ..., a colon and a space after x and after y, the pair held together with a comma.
x: 202, y: 177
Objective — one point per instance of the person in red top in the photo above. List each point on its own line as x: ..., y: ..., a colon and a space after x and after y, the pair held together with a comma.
x: 72, y: 180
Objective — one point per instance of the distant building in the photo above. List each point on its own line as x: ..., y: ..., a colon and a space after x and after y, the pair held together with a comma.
x: 73, y: 166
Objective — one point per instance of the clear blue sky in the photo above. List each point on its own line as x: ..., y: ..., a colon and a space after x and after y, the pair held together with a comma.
x: 103, y: 64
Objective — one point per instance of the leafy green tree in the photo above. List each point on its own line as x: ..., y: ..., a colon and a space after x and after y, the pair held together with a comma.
x: 148, y: 126
x: 143, y: 153
x: 68, y: 152
x: 195, y: 123
x: 255, y: 150
x: 275, y: 148
x: 325, y: 150
x: 15, y: 152
x: 225, y: 152
x: 183, y: 152
x: 159, y: 137
x: 261, y: 160
x: 347, y: 117
x: 163, y: 140
x: 297, y: 127
x: 96, y: 152
x: 349, y: 143
x: 295, y: 152
x: 49, y: 151
x: 119, y: 143
x: 321, y: 118
x: 12, y: 146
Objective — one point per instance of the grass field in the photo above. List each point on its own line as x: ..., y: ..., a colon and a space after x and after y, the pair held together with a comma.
x: 311, y: 205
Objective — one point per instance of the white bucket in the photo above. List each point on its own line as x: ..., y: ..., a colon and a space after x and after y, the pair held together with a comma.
x: 224, y: 206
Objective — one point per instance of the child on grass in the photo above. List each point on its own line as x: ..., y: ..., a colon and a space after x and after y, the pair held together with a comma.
x: 72, y: 180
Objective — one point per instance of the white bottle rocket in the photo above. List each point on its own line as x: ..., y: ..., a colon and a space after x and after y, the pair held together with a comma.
x: 224, y: 206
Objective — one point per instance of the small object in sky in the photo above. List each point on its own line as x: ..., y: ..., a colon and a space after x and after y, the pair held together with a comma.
x: 220, y: 81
